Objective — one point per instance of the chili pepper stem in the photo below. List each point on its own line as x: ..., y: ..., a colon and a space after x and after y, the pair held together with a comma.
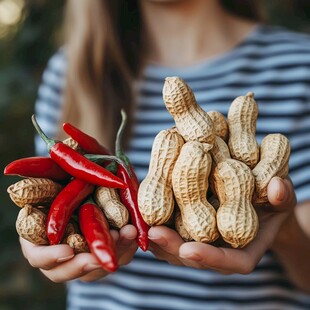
x: 118, y: 142
x: 94, y: 157
x: 119, y: 136
x: 49, y: 142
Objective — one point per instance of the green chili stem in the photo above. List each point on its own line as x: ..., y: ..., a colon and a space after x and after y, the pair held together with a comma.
x: 118, y: 143
x: 49, y: 142
x: 95, y: 158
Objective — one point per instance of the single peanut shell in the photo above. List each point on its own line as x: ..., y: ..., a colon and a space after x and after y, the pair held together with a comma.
x: 34, y: 191
x: 155, y: 196
x: 220, y: 124
x: 274, y: 157
x: 180, y: 228
x: 190, y: 186
x: 192, y: 122
x: 237, y: 220
x: 74, y: 145
x: 109, y: 202
x: 220, y: 150
x: 78, y: 243
x: 242, y: 142
x: 30, y: 225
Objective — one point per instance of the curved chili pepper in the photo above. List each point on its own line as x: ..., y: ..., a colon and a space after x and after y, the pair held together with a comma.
x: 129, y: 196
x: 77, y: 165
x: 95, y: 229
x: 69, y: 198
x: 36, y: 167
x: 88, y: 143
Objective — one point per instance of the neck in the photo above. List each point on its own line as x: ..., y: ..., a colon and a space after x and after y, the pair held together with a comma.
x: 186, y: 32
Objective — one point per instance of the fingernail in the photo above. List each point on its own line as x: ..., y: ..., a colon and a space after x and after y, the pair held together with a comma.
x: 191, y: 256
x: 64, y: 259
x: 91, y: 267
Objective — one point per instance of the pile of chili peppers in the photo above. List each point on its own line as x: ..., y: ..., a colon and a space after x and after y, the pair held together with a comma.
x: 80, y: 174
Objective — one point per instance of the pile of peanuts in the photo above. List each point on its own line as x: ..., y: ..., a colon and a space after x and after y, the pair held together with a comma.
x: 35, y: 195
x: 204, y: 155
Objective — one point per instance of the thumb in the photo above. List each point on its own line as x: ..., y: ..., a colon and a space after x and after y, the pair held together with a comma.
x: 281, y: 194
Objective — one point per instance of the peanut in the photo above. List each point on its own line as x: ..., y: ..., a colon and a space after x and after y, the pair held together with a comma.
x: 30, y: 225
x: 77, y: 242
x: 220, y: 150
x: 242, y: 142
x: 237, y: 220
x: 179, y: 227
x: 34, y: 191
x: 192, y: 122
x: 274, y: 157
x: 190, y: 186
x: 155, y: 196
x: 109, y: 202
x: 74, y: 145
x: 220, y: 124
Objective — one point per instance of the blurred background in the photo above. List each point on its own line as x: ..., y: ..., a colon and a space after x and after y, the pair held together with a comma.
x: 30, y: 32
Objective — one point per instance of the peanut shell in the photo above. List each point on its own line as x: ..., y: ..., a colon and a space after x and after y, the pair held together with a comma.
x: 34, y: 191
x: 30, y: 225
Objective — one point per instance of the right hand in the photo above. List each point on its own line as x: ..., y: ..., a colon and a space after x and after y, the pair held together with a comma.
x: 59, y: 263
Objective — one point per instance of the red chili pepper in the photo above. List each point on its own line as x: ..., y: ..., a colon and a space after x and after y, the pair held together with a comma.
x: 70, y: 197
x: 87, y: 143
x: 36, y: 167
x: 129, y: 196
x: 77, y: 165
x: 95, y: 229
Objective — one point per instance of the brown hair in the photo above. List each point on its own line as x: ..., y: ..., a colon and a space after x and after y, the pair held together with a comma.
x: 100, y: 74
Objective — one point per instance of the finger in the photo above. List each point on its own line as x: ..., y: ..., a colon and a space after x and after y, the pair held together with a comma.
x: 168, y: 239
x: 127, y: 245
x: 165, y: 244
x: 46, y: 257
x: 81, y: 266
x: 281, y: 194
x: 160, y: 254
x: 226, y: 260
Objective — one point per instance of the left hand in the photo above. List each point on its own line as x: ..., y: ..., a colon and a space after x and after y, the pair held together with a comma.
x: 168, y: 245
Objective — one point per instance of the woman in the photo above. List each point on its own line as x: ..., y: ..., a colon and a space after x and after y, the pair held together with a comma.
x: 117, y: 55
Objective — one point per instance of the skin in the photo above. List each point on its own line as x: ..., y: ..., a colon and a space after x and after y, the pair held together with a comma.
x: 59, y: 264
x: 196, y: 30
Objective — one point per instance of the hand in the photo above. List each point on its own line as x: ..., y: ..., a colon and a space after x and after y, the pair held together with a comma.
x: 60, y: 264
x: 167, y: 244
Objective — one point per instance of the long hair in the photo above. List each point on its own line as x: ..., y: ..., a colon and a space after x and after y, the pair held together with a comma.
x: 100, y: 75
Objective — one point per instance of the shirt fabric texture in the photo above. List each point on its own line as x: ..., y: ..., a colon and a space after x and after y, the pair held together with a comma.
x: 274, y: 63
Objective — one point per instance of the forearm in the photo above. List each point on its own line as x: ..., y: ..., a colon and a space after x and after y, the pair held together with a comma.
x: 292, y: 246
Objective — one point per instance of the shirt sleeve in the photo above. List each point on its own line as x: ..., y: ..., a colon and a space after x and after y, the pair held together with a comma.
x: 49, y: 100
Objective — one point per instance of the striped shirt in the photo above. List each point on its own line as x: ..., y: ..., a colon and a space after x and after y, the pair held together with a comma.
x: 272, y: 62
